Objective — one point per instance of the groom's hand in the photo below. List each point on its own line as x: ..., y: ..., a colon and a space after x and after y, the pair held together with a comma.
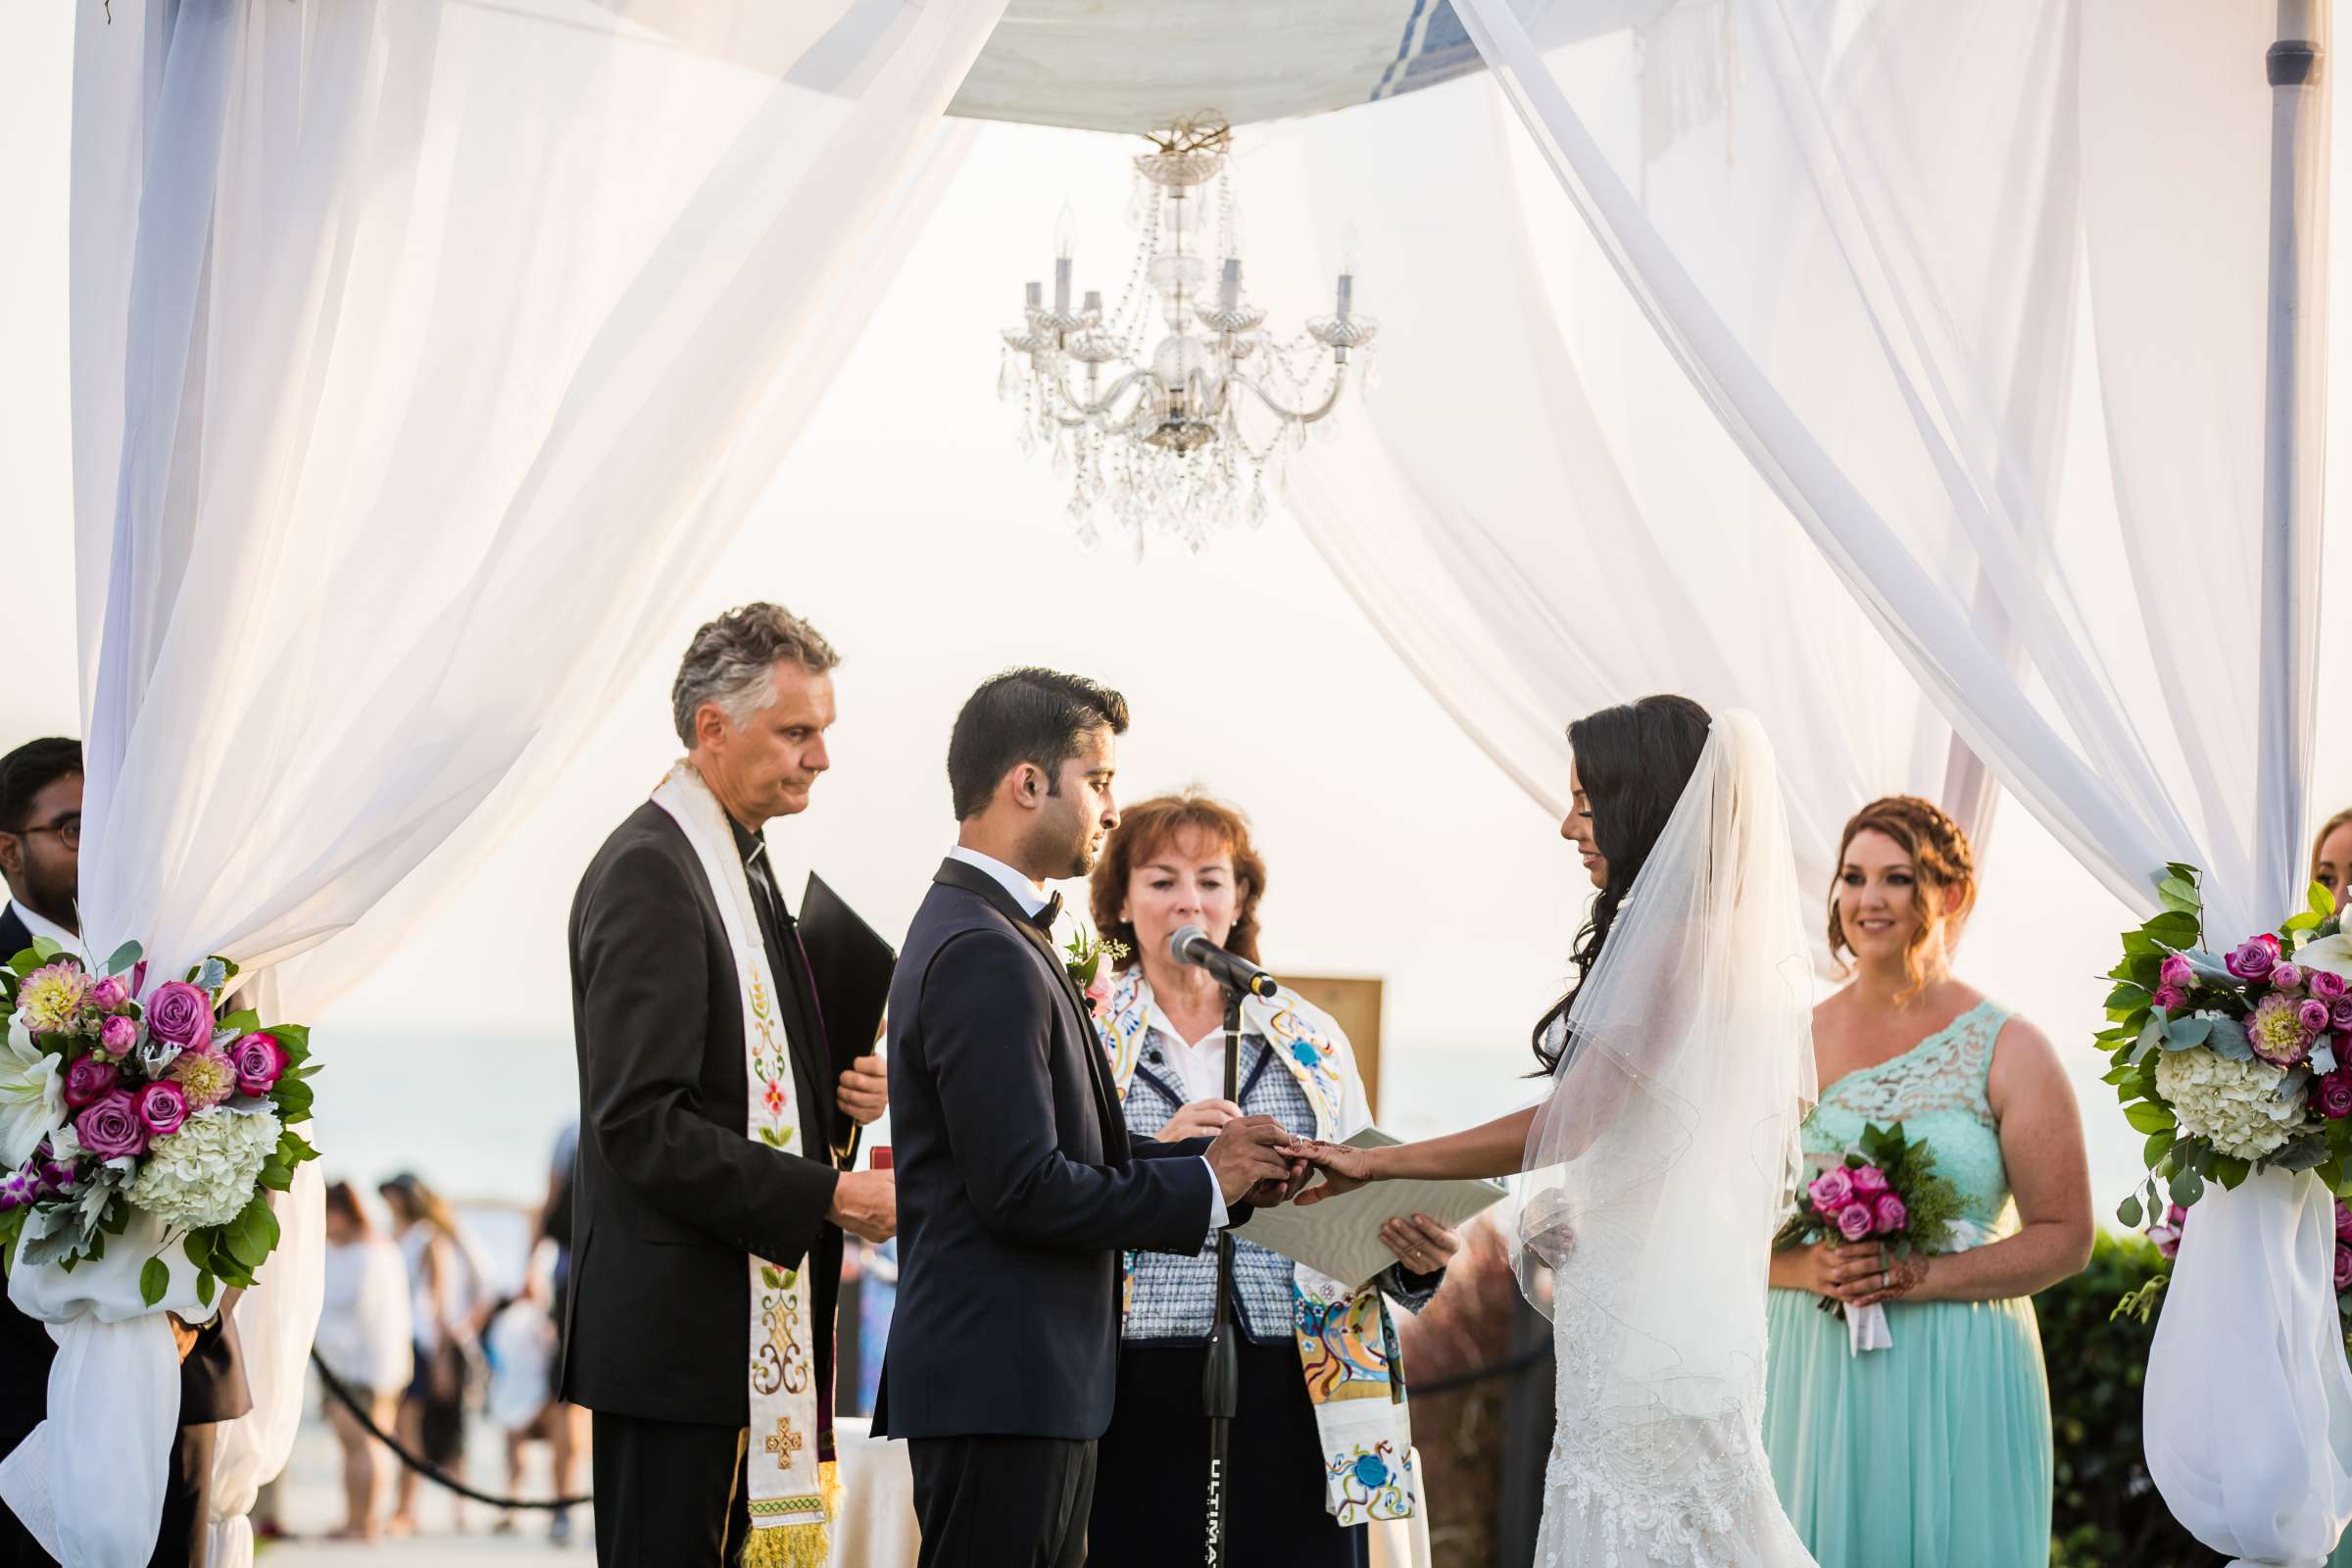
x: 864, y: 1091
x: 1246, y: 1154
x: 865, y: 1202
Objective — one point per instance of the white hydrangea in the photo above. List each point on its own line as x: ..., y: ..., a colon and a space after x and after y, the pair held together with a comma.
x: 2232, y: 1103
x: 206, y: 1172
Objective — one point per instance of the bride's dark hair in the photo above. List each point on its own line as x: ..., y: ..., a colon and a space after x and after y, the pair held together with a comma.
x: 1632, y: 760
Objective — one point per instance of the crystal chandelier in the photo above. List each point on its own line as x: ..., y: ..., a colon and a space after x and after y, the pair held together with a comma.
x: 1167, y: 412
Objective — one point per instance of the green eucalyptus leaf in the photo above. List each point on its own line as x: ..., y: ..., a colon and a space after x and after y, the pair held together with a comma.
x: 155, y: 1277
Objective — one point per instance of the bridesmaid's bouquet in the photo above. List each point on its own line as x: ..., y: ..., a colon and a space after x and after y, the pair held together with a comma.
x: 2232, y: 1063
x: 117, y: 1098
x: 1885, y: 1190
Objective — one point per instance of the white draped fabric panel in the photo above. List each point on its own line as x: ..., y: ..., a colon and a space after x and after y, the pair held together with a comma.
x: 1848, y: 248
x: 426, y: 353
x: 1531, y: 547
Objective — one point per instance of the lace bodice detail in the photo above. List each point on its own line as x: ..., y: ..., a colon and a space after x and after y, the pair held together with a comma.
x: 1937, y: 1091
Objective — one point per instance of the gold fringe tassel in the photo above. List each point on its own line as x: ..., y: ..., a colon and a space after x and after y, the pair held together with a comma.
x: 798, y: 1546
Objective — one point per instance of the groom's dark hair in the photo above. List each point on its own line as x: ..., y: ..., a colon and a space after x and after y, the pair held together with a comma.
x: 1024, y: 716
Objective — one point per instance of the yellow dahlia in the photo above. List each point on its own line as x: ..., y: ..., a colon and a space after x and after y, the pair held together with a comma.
x: 203, y: 1076
x: 51, y: 997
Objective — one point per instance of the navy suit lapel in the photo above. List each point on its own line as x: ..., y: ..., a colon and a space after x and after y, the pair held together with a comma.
x: 955, y: 873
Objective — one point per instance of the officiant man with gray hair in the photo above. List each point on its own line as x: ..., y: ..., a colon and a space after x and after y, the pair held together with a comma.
x: 712, y: 1194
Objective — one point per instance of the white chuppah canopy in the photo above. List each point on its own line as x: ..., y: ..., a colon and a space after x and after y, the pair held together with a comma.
x: 424, y: 353
x: 1821, y: 254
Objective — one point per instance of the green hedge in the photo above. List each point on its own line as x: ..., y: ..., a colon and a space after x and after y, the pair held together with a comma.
x: 2108, y: 1514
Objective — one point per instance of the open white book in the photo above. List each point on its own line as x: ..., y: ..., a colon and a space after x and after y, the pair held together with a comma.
x: 1341, y: 1236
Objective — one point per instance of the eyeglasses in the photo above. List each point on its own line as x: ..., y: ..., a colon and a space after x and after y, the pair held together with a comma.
x: 67, y: 828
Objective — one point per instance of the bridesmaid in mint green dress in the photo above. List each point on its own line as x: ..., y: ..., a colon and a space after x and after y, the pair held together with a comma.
x: 1934, y: 1453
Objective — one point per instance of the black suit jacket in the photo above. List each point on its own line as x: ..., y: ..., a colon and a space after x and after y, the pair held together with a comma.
x: 669, y: 1196
x: 1017, y: 1188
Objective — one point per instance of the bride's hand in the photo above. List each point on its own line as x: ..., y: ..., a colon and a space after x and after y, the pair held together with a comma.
x: 1343, y: 1170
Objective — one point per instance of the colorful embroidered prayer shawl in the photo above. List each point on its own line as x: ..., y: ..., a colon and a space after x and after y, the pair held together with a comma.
x: 1347, y: 1343
x: 794, y: 1483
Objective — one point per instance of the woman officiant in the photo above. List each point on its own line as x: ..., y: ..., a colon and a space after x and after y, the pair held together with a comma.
x: 1319, y: 1442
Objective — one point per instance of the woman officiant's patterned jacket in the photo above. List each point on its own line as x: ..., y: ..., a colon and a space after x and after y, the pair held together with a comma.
x: 1171, y: 1298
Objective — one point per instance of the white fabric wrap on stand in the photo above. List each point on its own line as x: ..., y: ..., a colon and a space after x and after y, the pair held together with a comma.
x: 324, y: 357
x: 1902, y: 172
x: 80, y: 1480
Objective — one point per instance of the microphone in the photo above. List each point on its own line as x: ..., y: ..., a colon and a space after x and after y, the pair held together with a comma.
x: 1192, y: 946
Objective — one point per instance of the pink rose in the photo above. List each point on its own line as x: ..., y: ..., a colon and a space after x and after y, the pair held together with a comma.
x: 2313, y: 1015
x: 2343, y: 1220
x: 110, y: 994
x: 1869, y: 1181
x: 2171, y: 998
x: 110, y: 1126
x: 2252, y: 960
x: 1855, y: 1221
x: 118, y: 1035
x: 2344, y: 1266
x: 2335, y: 1094
x: 162, y: 1106
x: 88, y: 1078
x: 2328, y: 988
x: 1890, y: 1213
x: 2178, y: 972
x: 260, y: 1061
x: 179, y: 1014
x: 2339, y: 1015
x: 2286, y: 976
x: 1831, y: 1190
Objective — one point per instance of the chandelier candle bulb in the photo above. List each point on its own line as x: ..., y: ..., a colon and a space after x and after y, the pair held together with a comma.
x: 1229, y: 287
x: 1036, y: 296
x: 1346, y: 294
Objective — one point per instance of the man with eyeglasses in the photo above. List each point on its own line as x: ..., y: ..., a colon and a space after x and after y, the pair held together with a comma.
x: 40, y: 856
x: 40, y: 843
x: 40, y: 852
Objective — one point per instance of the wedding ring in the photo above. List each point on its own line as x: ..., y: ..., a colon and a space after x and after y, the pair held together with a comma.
x: 1885, y: 1276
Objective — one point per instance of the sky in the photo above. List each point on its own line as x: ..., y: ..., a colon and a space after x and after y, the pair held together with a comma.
x: 1395, y: 847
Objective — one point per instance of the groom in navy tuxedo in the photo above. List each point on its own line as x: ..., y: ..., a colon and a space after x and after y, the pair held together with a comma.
x: 1017, y: 1187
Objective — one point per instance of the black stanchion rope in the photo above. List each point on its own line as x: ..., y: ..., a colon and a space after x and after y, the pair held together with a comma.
x: 1509, y: 1366
x: 426, y: 1467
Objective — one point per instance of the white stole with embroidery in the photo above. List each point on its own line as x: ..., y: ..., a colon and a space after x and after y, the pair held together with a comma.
x: 790, y: 1486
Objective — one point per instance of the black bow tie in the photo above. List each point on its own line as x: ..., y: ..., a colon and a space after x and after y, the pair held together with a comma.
x: 1045, y: 917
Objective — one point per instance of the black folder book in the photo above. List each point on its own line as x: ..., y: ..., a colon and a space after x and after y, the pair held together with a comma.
x: 852, y: 966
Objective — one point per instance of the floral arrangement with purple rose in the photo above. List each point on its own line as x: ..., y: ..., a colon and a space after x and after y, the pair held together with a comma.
x: 2232, y: 1063
x: 1884, y: 1191
x: 115, y: 1097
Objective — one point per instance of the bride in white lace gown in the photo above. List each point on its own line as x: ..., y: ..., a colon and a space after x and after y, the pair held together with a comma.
x: 1656, y: 1165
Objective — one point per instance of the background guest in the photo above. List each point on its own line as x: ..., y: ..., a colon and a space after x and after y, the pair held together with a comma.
x: 1936, y: 1451
x: 449, y: 1296
x: 365, y: 1340
x: 1310, y: 1347
x: 567, y: 1423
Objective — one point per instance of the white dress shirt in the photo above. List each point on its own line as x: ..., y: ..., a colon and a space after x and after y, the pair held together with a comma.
x: 40, y: 925
x: 1031, y: 897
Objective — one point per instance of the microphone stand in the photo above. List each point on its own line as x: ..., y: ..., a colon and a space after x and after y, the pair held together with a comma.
x: 1220, y: 1379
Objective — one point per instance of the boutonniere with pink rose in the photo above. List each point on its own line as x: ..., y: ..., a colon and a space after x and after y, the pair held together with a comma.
x: 1089, y: 962
x: 116, y: 1099
x: 1884, y: 1191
